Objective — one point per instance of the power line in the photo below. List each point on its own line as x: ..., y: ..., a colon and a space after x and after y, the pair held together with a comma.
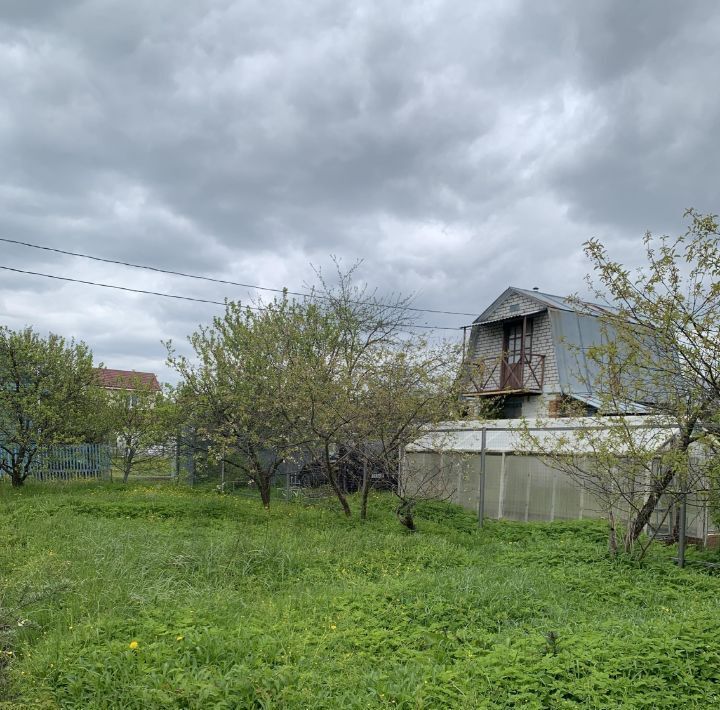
x: 119, y: 288
x: 173, y: 295
x: 210, y: 278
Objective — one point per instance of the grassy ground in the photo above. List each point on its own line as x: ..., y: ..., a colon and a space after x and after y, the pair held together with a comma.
x: 162, y: 597
x: 154, y: 467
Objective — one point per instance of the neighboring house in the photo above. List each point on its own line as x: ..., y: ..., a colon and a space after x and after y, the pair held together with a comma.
x: 529, y: 351
x: 126, y: 379
x: 528, y: 348
x: 131, y: 438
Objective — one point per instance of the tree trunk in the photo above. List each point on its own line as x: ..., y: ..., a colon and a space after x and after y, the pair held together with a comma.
x: 643, y: 517
x: 334, y: 484
x: 628, y: 541
x: 262, y: 476
x: 365, y: 491
x: 612, y: 534
x: 127, y: 465
x: 264, y: 485
x: 17, y: 475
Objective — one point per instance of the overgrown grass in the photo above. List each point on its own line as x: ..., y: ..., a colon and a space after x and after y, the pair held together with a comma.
x: 162, y: 597
x: 160, y: 466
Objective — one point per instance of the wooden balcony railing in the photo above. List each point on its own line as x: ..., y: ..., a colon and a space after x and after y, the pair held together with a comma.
x: 498, y: 375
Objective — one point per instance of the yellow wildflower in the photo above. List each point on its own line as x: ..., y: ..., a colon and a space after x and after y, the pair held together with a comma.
x: 133, y: 645
x: 179, y: 638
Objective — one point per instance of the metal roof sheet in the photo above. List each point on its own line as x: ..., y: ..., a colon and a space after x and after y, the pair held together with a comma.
x: 544, y: 300
x: 597, y: 403
x: 573, y: 334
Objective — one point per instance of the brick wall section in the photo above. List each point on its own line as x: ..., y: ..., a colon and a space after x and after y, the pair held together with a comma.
x: 543, y: 345
x: 486, y: 341
x: 515, y: 305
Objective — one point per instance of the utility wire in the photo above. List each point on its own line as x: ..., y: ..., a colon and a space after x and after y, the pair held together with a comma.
x: 172, y: 295
x: 119, y: 288
x: 213, y: 280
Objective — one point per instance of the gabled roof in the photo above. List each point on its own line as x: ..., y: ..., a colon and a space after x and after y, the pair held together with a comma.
x: 575, y: 328
x: 126, y: 379
x: 544, y: 301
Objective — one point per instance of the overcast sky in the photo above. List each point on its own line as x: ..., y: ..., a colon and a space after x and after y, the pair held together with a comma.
x: 455, y: 147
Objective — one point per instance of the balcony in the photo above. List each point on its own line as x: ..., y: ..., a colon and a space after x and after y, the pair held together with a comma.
x: 522, y: 373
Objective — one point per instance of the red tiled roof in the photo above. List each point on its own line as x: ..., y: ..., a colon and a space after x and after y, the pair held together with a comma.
x: 126, y: 379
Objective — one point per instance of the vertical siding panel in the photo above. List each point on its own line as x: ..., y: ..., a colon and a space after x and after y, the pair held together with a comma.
x: 501, y: 494
x: 527, y: 494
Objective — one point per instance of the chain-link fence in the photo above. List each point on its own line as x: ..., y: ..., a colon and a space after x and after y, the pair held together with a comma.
x: 195, y: 462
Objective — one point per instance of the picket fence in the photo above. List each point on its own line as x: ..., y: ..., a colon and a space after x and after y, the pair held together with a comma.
x: 68, y: 462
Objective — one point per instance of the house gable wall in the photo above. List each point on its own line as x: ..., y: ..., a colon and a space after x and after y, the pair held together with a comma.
x: 511, y: 306
x: 563, y: 331
x: 487, y: 342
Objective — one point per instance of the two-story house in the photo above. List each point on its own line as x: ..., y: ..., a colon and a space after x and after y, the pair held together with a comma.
x: 528, y: 348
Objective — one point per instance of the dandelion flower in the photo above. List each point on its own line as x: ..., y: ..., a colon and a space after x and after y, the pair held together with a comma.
x: 133, y: 645
x: 333, y: 627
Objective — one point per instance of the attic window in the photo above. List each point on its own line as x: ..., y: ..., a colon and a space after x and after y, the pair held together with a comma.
x: 514, y: 307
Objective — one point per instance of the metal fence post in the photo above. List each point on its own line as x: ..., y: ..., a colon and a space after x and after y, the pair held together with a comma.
x: 177, y: 464
x: 191, y: 460
x: 682, y: 532
x: 481, y: 481
x: 222, y: 472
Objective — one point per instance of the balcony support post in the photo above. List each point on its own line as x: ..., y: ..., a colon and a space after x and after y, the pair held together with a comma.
x: 522, y: 353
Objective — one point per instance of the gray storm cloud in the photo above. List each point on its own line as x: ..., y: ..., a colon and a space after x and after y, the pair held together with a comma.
x: 456, y: 148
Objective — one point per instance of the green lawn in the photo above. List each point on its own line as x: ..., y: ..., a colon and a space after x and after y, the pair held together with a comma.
x: 227, y: 606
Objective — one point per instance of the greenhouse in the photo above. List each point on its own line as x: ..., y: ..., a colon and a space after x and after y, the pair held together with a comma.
x: 522, y: 480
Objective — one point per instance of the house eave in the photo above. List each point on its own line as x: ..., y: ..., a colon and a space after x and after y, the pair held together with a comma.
x: 501, y: 392
x: 511, y: 317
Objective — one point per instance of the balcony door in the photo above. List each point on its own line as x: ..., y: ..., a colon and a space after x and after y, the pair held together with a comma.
x: 517, y: 343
